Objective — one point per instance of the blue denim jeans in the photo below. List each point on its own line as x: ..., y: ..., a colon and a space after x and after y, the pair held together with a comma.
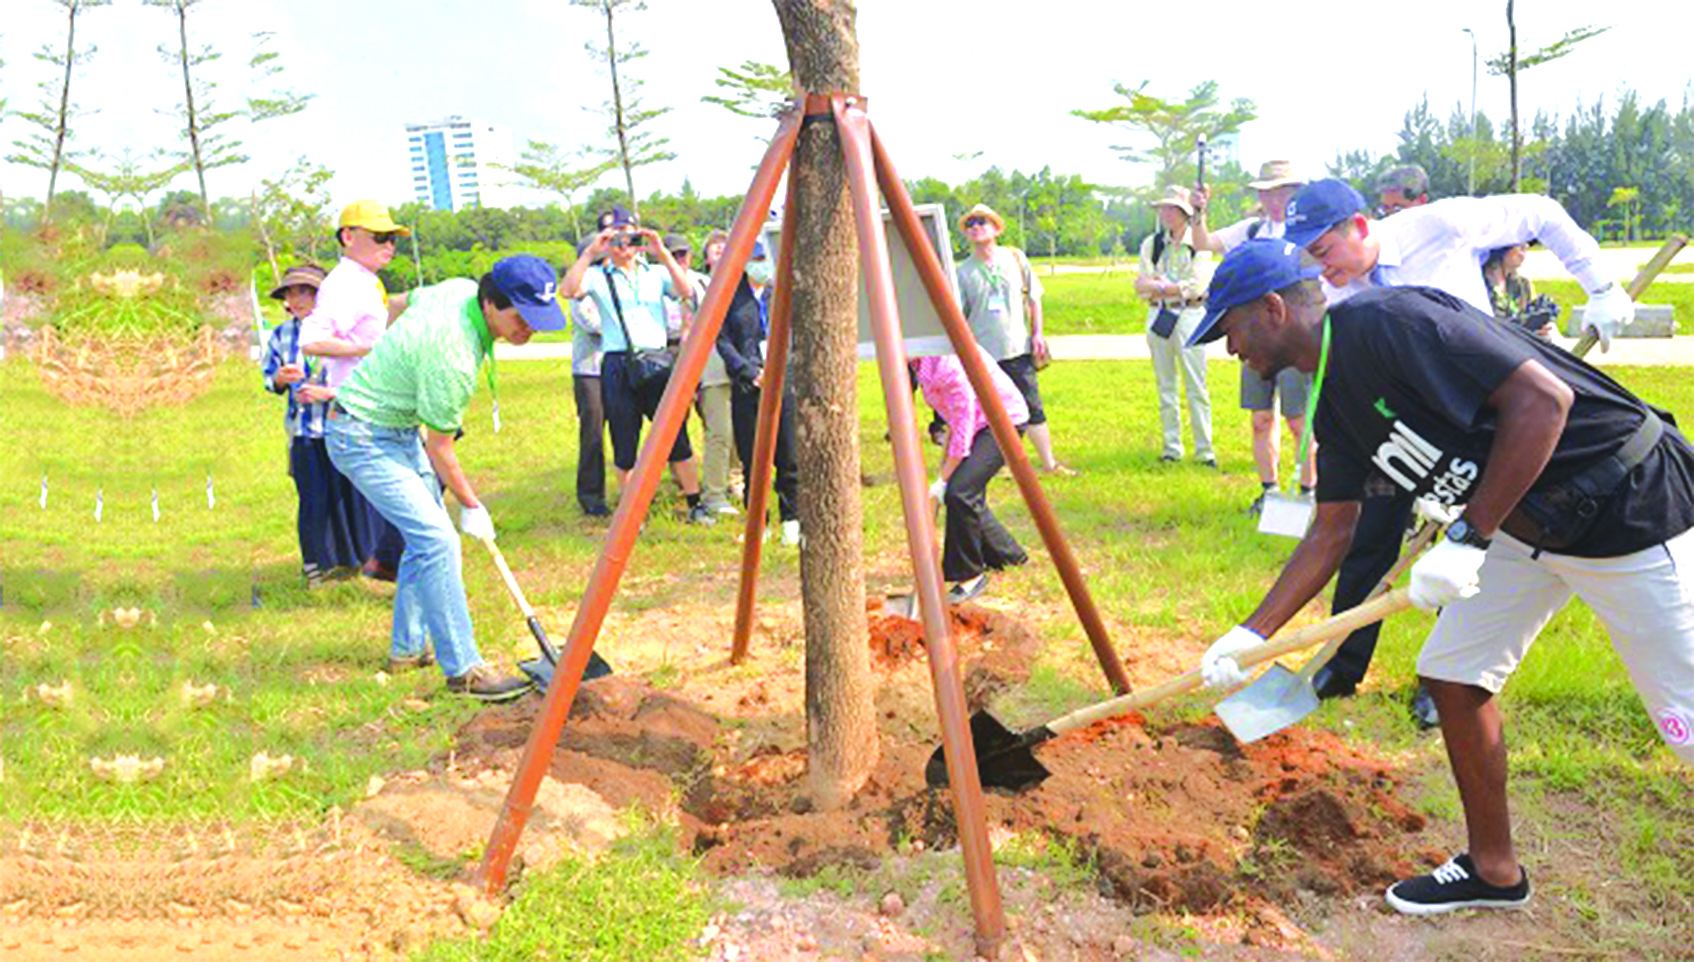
x: 390, y: 468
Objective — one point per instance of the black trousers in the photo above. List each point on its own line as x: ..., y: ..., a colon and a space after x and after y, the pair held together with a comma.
x: 332, y: 522
x: 1376, y: 546
x: 590, y: 441
x: 976, y: 540
x: 744, y: 415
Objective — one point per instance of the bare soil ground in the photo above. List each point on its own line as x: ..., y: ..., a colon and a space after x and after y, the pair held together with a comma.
x: 1276, y: 850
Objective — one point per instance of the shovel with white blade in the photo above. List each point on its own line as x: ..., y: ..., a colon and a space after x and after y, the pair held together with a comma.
x: 1279, y: 697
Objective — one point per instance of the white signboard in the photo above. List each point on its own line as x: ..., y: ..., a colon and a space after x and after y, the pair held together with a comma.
x: 919, y: 321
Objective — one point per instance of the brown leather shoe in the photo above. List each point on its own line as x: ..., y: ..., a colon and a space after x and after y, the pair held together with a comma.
x: 485, y: 684
x: 377, y: 571
x: 411, y: 662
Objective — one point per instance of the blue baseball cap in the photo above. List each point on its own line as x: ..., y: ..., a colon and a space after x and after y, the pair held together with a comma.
x: 1248, y: 273
x: 533, y: 288
x: 1317, y: 207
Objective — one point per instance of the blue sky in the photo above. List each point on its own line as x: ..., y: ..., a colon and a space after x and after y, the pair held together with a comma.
x: 944, y: 78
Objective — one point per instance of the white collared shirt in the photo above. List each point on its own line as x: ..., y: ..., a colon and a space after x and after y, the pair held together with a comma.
x: 1443, y: 244
x: 352, y: 306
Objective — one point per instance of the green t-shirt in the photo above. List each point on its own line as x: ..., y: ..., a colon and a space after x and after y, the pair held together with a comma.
x: 992, y: 296
x: 423, y: 370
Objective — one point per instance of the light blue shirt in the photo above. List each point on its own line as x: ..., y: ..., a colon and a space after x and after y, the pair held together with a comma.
x: 643, y: 298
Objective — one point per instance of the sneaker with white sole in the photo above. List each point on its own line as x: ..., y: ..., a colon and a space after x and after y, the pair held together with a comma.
x: 791, y: 533
x: 967, y: 589
x: 1455, y: 885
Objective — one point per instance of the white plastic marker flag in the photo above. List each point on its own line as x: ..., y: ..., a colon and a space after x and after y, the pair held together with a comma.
x: 44, y: 492
x: 99, y: 503
x: 496, y: 417
x: 211, y: 499
x: 155, y: 504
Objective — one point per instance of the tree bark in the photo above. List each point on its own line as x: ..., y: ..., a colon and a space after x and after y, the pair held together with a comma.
x: 1512, y: 78
x: 60, y: 130
x: 842, y: 746
x: 617, y: 114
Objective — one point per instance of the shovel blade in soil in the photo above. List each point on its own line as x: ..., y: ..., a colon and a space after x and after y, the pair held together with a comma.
x: 901, y: 606
x: 1278, y: 698
x: 540, y: 670
x: 1004, y: 758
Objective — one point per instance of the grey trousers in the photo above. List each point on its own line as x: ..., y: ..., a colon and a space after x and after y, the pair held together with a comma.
x: 1170, y: 358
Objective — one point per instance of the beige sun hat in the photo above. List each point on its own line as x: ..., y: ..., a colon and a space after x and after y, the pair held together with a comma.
x: 1178, y: 197
x: 982, y: 210
x: 1276, y: 173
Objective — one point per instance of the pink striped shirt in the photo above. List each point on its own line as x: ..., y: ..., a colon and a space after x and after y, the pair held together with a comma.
x: 948, y: 391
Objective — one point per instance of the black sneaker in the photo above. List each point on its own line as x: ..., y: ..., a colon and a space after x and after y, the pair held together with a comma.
x: 485, y: 684
x: 700, y: 514
x: 1329, y: 684
x: 1169, y: 458
x: 967, y: 589
x: 1424, y: 714
x: 1257, y: 507
x: 1455, y: 886
x: 597, y: 509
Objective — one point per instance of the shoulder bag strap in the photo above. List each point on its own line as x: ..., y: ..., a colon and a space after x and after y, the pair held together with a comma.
x: 617, y: 306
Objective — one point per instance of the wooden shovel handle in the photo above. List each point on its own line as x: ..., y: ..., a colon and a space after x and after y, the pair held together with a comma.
x: 506, y: 574
x: 1420, y: 540
x: 1650, y: 270
x: 1340, y: 625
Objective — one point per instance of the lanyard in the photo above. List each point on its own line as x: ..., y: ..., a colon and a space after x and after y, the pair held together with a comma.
x: 1312, y: 402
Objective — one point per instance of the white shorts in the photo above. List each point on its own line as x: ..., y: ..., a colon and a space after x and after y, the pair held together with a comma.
x: 1645, y: 599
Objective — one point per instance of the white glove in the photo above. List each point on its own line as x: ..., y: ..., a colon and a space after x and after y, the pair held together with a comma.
x: 1218, y: 667
x: 476, y: 523
x: 1448, y: 572
x: 1433, y: 511
x: 1606, y: 313
x: 938, y: 490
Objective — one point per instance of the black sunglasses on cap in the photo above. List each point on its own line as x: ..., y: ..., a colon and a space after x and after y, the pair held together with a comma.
x: 385, y: 237
x: 975, y: 221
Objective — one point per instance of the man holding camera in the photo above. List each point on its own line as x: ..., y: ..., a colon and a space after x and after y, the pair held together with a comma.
x: 629, y: 296
x: 1260, y: 396
x: 1439, y: 245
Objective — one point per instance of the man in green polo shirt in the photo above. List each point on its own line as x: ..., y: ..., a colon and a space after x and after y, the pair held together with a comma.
x: 422, y: 373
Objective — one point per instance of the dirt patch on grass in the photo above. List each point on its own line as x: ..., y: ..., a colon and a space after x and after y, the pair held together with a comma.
x: 1173, y: 816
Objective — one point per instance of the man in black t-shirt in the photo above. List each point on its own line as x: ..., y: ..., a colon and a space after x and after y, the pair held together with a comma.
x: 1571, y: 485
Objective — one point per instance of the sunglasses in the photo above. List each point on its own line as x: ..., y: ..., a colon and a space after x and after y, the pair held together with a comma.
x: 975, y: 221
x: 385, y: 237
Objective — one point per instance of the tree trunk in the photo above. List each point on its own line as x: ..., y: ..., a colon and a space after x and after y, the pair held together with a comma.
x: 1512, y: 79
x: 842, y: 746
x: 188, y: 108
x: 617, y: 115
x: 60, y: 129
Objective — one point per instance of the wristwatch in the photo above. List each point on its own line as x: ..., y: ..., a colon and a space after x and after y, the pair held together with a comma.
x: 1461, y: 532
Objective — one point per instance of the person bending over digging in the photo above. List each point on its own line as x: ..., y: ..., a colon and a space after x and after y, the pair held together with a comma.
x: 976, y: 541
x: 422, y: 374
x: 1570, y: 485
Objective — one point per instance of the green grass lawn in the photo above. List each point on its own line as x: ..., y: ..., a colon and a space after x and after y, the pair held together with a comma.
x: 1168, y: 552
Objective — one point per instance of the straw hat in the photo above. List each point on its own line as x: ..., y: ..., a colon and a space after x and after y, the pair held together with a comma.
x: 1176, y: 196
x: 1276, y: 173
x: 983, y: 210
x: 305, y: 275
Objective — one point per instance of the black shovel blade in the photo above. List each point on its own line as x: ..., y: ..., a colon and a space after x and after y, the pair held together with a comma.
x: 540, y: 670
x: 1004, y: 758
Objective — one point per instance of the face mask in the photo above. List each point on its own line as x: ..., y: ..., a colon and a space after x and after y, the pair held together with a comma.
x: 761, y: 272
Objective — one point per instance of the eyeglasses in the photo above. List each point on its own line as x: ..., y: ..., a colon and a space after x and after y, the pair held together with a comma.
x: 385, y: 237
x: 975, y: 221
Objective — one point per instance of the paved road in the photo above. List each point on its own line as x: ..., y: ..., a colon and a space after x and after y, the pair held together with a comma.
x: 1644, y: 352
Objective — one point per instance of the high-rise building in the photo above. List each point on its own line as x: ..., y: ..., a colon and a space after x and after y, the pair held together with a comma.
x: 457, y: 163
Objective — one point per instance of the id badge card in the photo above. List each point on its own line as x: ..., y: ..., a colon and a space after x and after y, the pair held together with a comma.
x: 1286, y: 515
x: 998, y: 305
